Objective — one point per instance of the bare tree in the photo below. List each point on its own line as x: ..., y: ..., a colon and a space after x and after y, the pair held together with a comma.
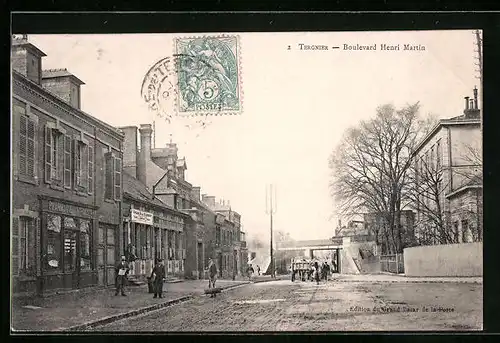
x: 427, y: 187
x: 370, y: 167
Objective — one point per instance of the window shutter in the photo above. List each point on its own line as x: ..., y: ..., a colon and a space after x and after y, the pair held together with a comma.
x: 31, y: 139
x: 76, y: 163
x: 48, y: 154
x: 15, y: 245
x: 67, y: 161
x: 118, y: 177
x: 84, y: 165
x: 90, y: 175
x: 23, y: 140
x: 60, y: 156
x: 109, y: 176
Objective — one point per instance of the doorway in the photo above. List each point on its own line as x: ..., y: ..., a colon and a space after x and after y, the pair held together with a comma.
x: 200, y: 260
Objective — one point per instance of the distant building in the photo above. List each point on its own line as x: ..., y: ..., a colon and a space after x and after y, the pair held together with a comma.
x: 452, y: 150
x: 163, y: 174
x: 376, y: 227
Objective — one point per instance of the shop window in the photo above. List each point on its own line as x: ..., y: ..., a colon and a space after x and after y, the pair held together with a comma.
x: 85, y: 255
x: 54, y: 248
x: 69, y: 250
x: 143, y: 243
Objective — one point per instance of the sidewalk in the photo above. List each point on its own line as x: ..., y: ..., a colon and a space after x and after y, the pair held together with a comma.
x: 403, y: 278
x: 61, y: 312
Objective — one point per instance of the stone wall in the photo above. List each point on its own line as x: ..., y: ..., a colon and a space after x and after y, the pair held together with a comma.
x: 464, y: 259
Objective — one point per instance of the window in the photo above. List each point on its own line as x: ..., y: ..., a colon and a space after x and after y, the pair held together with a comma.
x: 456, y: 232
x: 70, y: 227
x: 90, y: 170
x: 466, y: 234
x: 113, y: 166
x: 438, y: 154
x: 23, y: 246
x: 118, y: 178
x: 85, y: 256
x: 80, y: 159
x: 27, y: 140
x: 67, y: 161
x: 54, y: 154
x: 53, y: 253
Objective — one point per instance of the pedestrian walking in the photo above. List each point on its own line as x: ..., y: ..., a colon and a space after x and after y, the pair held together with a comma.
x: 250, y: 271
x: 157, y: 277
x: 258, y: 270
x: 316, y: 272
x: 121, y: 270
x: 212, y: 274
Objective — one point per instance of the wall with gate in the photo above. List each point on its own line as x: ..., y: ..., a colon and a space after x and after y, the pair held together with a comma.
x: 464, y: 259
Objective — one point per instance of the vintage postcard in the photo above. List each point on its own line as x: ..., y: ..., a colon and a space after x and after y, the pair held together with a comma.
x: 334, y: 182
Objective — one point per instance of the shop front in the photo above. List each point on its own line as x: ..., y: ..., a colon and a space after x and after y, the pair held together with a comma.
x: 150, y: 235
x: 67, y: 249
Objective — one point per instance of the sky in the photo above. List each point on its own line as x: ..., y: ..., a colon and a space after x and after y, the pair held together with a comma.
x: 296, y: 106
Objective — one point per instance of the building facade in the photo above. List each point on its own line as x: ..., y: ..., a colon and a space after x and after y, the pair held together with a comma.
x: 448, y: 168
x: 163, y: 173
x: 66, y: 179
x: 152, y: 230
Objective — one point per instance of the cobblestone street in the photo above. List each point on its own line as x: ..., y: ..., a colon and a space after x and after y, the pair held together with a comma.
x: 334, y: 306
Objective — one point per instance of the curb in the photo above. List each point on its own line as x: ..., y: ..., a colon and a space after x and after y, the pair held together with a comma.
x: 411, y: 281
x: 133, y: 313
x: 114, y: 318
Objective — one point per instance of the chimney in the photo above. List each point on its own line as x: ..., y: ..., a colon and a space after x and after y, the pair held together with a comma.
x: 195, y: 193
x: 471, y: 110
x: 63, y: 84
x: 209, y: 201
x: 475, y: 99
x: 145, y: 153
x: 26, y: 58
x: 130, y: 151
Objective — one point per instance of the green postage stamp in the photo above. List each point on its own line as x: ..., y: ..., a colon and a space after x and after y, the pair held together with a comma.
x: 208, y: 75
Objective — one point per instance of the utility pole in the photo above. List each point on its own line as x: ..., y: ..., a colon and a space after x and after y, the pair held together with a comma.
x: 271, y: 209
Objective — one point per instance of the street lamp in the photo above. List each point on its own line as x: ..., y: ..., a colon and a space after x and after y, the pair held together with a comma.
x: 271, y: 209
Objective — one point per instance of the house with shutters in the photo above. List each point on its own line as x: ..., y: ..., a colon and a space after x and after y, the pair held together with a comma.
x: 66, y: 181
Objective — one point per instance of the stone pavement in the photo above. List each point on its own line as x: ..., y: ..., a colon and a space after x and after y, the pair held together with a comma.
x: 403, y: 278
x: 62, y: 312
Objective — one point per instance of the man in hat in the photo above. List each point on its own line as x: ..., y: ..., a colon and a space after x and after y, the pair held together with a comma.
x: 121, y: 270
x: 212, y: 274
x: 157, y: 276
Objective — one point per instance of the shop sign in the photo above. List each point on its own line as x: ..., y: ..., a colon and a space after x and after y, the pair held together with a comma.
x: 69, y: 209
x: 141, y: 217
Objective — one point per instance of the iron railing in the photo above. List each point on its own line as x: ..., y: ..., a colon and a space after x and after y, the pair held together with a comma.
x: 392, y: 263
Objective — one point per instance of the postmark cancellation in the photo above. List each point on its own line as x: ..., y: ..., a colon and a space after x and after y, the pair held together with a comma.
x: 208, y: 75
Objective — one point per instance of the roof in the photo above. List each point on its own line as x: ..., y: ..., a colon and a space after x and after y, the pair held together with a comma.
x: 62, y: 72
x: 25, y: 44
x: 181, y: 162
x: 474, y: 182
x: 45, y: 92
x: 459, y: 120
x: 135, y: 189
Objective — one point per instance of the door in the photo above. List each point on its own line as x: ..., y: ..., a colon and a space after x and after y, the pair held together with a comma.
x: 71, y: 269
x: 220, y: 264
x: 200, y: 260
x: 101, y: 248
x: 235, y: 262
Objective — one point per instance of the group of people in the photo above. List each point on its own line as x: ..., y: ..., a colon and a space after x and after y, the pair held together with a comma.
x: 316, y: 272
x: 157, y: 277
